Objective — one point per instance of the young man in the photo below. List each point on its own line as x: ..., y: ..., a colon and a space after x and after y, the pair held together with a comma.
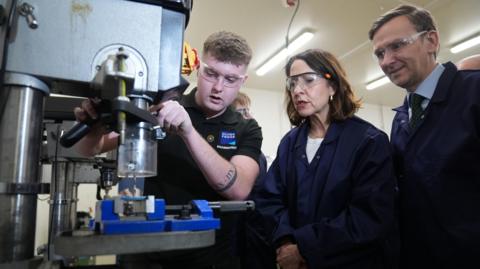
x: 211, y: 152
x: 436, y: 139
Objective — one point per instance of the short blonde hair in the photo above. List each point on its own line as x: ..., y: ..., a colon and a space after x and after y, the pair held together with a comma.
x: 228, y: 47
x: 242, y: 100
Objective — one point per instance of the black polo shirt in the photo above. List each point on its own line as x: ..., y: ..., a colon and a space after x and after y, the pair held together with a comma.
x: 179, y: 179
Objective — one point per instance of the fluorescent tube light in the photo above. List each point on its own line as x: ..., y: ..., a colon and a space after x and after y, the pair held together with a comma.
x: 65, y: 96
x: 284, y: 53
x: 465, y: 45
x: 377, y: 83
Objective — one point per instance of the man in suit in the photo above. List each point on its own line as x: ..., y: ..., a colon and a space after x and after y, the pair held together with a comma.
x: 436, y: 143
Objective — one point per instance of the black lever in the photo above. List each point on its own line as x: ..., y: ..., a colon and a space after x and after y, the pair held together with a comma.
x: 77, y: 132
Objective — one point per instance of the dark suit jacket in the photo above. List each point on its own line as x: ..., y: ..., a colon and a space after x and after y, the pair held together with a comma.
x: 438, y: 168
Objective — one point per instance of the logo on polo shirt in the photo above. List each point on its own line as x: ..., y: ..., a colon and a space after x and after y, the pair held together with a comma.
x: 228, y: 140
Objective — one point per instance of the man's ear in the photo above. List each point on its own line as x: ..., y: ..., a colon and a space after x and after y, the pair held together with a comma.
x: 433, y: 42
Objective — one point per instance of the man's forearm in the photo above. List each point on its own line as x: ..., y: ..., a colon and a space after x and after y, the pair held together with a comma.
x: 230, y: 179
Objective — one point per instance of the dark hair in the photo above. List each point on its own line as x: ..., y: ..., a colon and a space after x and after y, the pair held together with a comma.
x: 344, y: 104
x: 228, y: 47
x: 419, y: 17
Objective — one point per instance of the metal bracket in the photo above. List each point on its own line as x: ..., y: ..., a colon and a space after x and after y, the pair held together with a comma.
x: 26, y: 10
x: 105, y: 72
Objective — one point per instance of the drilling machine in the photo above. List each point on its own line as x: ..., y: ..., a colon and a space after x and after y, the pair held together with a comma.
x: 127, y: 52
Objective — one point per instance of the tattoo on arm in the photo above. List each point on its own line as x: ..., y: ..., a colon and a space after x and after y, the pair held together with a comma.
x: 230, y: 178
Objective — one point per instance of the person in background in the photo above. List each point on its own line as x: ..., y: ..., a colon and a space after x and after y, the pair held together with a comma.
x: 469, y: 63
x: 254, y: 250
x: 436, y: 142
x: 210, y: 152
x: 328, y: 197
x: 241, y: 104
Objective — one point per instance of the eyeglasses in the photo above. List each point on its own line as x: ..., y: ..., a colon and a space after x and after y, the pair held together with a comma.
x: 305, y: 80
x: 244, y: 111
x: 397, y: 45
x: 212, y: 75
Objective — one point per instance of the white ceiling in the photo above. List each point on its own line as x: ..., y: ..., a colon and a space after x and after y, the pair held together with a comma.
x: 340, y: 27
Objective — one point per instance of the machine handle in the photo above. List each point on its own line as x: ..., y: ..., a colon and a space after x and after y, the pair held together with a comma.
x: 232, y: 206
x: 77, y: 132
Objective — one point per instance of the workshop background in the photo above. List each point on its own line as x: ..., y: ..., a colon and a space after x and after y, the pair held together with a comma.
x: 339, y: 26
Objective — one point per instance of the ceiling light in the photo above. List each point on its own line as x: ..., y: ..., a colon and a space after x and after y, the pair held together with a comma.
x: 377, y: 83
x: 466, y: 44
x: 284, y: 53
x: 65, y: 96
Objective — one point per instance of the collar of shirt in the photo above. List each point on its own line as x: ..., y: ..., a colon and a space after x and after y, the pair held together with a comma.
x: 333, y: 132
x: 427, y: 87
x: 228, y: 117
x: 188, y: 100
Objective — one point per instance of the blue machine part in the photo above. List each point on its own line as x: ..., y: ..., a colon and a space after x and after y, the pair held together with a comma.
x: 110, y: 217
x: 111, y: 221
x: 204, y: 220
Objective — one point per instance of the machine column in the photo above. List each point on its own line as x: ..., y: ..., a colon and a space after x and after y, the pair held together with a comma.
x: 21, y: 113
x: 63, y: 203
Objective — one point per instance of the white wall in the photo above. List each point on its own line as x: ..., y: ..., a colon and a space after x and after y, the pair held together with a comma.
x: 268, y: 108
x: 378, y: 115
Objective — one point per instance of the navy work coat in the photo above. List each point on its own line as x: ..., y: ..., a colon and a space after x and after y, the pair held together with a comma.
x: 339, y: 208
x: 438, y: 167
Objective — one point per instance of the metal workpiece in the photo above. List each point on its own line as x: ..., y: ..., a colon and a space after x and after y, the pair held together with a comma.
x: 125, y: 207
x: 89, y: 244
x: 20, y: 134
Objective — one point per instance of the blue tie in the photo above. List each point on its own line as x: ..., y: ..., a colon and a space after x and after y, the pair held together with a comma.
x: 417, y: 110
